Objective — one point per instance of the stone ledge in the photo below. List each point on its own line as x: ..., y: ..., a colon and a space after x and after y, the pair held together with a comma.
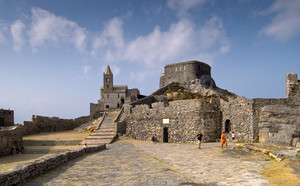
x: 23, y: 173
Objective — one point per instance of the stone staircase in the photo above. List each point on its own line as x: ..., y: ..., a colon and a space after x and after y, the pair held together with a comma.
x: 106, y: 132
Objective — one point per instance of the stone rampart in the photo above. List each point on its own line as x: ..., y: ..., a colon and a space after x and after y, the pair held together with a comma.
x: 23, y: 173
x: 10, y: 138
x: 237, y: 117
x: 278, y: 121
x: 183, y: 120
x: 51, y: 124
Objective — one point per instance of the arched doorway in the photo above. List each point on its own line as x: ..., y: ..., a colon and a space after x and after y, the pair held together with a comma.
x: 122, y: 100
x: 227, y: 126
x: 107, y: 106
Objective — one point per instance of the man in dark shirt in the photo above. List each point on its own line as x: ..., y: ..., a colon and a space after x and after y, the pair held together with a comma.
x: 199, y: 138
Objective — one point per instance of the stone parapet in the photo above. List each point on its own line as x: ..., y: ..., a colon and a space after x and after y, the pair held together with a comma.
x: 51, y: 124
x: 21, y: 174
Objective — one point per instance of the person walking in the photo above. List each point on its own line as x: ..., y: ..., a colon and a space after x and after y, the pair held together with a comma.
x: 199, y: 138
x: 223, y: 140
x: 232, y: 136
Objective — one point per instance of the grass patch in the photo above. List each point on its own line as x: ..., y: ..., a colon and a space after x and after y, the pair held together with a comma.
x: 238, y: 147
x: 280, y: 173
x: 297, y: 155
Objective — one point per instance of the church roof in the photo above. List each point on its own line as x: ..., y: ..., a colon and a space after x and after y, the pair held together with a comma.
x: 107, y: 70
x: 118, y: 88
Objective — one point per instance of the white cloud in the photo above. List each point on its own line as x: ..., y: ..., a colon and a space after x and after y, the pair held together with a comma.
x: 285, y: 25
x: 111, y: 36
x: 2, y: 30
x: 86, y: 69
x: 183, y: 41
x: 46, y: 27
x: 183, y: 6
x: 16, y: 31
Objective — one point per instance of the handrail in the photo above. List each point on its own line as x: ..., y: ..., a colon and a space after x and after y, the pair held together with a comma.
x: 103, y: 117
x: 121, y: 111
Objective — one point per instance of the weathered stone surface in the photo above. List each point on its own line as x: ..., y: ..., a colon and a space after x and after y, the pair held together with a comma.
x: 50, y: 124
x: 23, y: 173
x: 186, y: 118
x: 10, y: 138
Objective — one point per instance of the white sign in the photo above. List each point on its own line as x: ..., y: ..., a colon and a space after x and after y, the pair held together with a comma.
x: 165, y: 121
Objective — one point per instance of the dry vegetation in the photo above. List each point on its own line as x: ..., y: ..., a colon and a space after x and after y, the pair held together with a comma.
x: 280, y: 173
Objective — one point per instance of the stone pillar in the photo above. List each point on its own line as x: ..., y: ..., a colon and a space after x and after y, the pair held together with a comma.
x: 291, y: 85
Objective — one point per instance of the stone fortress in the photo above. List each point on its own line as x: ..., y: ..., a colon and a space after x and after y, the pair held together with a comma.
x: 177, y: 117
x: 187, y: 101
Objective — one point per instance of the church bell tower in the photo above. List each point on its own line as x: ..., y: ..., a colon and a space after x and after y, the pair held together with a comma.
x: 107, y: 80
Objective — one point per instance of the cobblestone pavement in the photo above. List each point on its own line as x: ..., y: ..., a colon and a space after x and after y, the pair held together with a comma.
x: 120, y: 164
x: 144, y: 163
x: 209, y: 165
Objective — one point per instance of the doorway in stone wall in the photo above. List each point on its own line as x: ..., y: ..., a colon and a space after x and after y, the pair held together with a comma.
x: 165, y: 135
x: 227, y: 126
x: 1, y: 121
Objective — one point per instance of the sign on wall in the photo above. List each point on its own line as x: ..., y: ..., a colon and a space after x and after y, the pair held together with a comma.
x: 165, y: 121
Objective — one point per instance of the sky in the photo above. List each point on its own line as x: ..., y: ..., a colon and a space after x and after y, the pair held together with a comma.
x: 53, y: 53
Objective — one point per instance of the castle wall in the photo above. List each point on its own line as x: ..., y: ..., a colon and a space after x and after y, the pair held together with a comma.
x: 186, y: 118
x: 10, y: 137
x: 50, y: 124
x: 184, y: 72
x: 278, y: 121
x: 96, y: 110
x: 238, y: 115
x: 6, y: 117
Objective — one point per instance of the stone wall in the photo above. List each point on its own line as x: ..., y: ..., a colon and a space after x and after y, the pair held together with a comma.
x: 237, y: 114
x: 10, y: 137
x: 6, y: 117
x: 186, y: 118
x: 275, y: 121
x: 23, y: 173
x: 51, y: 124
x: 278, y: 121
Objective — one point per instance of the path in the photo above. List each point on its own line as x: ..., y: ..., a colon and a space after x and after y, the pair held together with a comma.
x: 120, y: 164
x: 144, y: 163
x: 105, y: 133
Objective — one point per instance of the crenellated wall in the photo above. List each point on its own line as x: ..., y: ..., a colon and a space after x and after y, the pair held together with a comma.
x: 51, y: 124
x: 186, y: 118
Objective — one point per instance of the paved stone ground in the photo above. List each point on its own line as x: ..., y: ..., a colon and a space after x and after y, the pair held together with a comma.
x: 144, y: 163
x: 120, y: 164
x: 210, y: 165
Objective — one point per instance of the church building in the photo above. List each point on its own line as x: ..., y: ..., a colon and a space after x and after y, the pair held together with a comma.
x: 112, y: 96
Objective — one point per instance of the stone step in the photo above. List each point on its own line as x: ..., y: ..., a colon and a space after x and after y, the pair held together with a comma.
x: 105, y: 129
x: 96, y: 142
x: 47, y: 149
x: 99, y: 137
x: 103, y: 134
x: 50, y: 142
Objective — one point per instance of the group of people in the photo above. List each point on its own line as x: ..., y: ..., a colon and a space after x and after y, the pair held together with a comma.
x: 199, y: 139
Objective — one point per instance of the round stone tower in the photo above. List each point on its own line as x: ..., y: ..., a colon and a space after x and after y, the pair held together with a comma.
x: 184, y: 72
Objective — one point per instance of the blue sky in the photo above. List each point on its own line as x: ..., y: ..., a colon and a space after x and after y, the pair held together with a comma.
x: 53, y: 53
